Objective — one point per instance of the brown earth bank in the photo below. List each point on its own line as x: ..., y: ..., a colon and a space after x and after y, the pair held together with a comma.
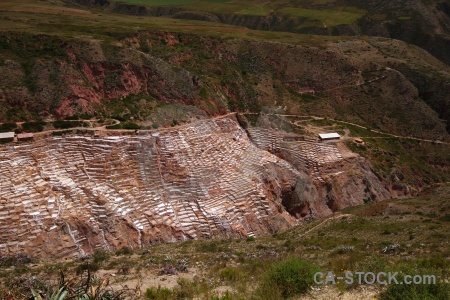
x: 206, y: 180
x: 380, y: 83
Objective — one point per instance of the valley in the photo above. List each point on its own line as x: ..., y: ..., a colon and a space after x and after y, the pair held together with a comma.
x: 223, y: 150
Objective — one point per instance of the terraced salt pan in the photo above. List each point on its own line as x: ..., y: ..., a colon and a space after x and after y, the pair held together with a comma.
x: 311, y: 154
x: 205, y: 180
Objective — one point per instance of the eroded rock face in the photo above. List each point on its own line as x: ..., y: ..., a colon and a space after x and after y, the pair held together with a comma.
x: 332, y: 182
x: 67, y: 196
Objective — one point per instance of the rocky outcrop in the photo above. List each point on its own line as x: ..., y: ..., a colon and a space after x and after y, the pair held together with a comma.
x: 333, y: 182
x: 87, y: 74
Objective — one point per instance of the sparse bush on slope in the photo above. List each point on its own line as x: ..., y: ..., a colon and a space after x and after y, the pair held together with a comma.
x: 438, y: 291
x: 290, y: 277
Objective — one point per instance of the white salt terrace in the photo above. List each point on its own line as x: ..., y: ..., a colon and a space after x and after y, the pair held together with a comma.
x: 199, y: 181
x: 308, y: 153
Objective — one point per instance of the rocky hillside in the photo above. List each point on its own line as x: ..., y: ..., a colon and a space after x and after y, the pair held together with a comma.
x: 69, y: 196
x: 422, y: 23
x: 375, y: 82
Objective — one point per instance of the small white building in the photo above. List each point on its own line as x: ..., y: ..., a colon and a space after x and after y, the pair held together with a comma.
x: 7, y: 136
x: 329, y: 136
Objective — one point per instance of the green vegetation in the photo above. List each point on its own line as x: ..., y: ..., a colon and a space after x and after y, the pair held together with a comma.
x: 212, y: 246
x: 328, y: 17
x: 250, y: 239
x: 438, y: 291
x: 158, y: 2
x: 341, y: 15
x: 418, y: 162
x: 240, y: 85
x: 256, y: 10
x: 100, y: 256
x: 7, y: 127
x: 158, y: 294
x: 127, y: 125
x: 67, y: 124
x: 115, y: 126
x: 229, y: 274
x: 361, y: 132
x: 33, y: 126
x: 184, y: 290
x: 130, y: 125
x: 138, y: 107
x: 61, y: 132
x: 110, y: 27
x: 275, y: 267
x: 289, y: 277
x: 124, y: 251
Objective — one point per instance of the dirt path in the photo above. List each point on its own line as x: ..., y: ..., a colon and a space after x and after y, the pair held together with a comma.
x: 296, y: 123
x: 392, y: 135
x: 356, y: 84
x: 321, y: 224
x: 389, y: 135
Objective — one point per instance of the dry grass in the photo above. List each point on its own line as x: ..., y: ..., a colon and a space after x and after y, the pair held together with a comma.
x: 419, y: 225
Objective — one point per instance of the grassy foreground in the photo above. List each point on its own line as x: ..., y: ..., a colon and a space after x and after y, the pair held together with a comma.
x: 415, y: 232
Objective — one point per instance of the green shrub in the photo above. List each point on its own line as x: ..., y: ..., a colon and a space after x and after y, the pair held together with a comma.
x: 438, y: 291
x: 124, y: 251
x: 242, y: 121
x: 87, y: 266
x: 86, y: 116
x: 73, y: 118
x: 158, y: 294
x: 100, y: 256
x: 33, y: 126
x: 229, y: 274
x: 118, y: 117
x: 434, y: 262
x: 445, y: 218
x: 7, y: 127
x: 66, y: 124
x: 261, y: 247
x: 288, y: 278
x: 62, y: 132
x: 185, y: 289
x: 17, y: 260
x: 130, y: 125
x: 116, y: 126
x: 250, y: 239
x: 227, y: 296
x: 208, y: 247
x: 372, y: 263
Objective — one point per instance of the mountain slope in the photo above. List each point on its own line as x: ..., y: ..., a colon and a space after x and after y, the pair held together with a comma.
x: 357, y: 80
x: 423, y: 23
